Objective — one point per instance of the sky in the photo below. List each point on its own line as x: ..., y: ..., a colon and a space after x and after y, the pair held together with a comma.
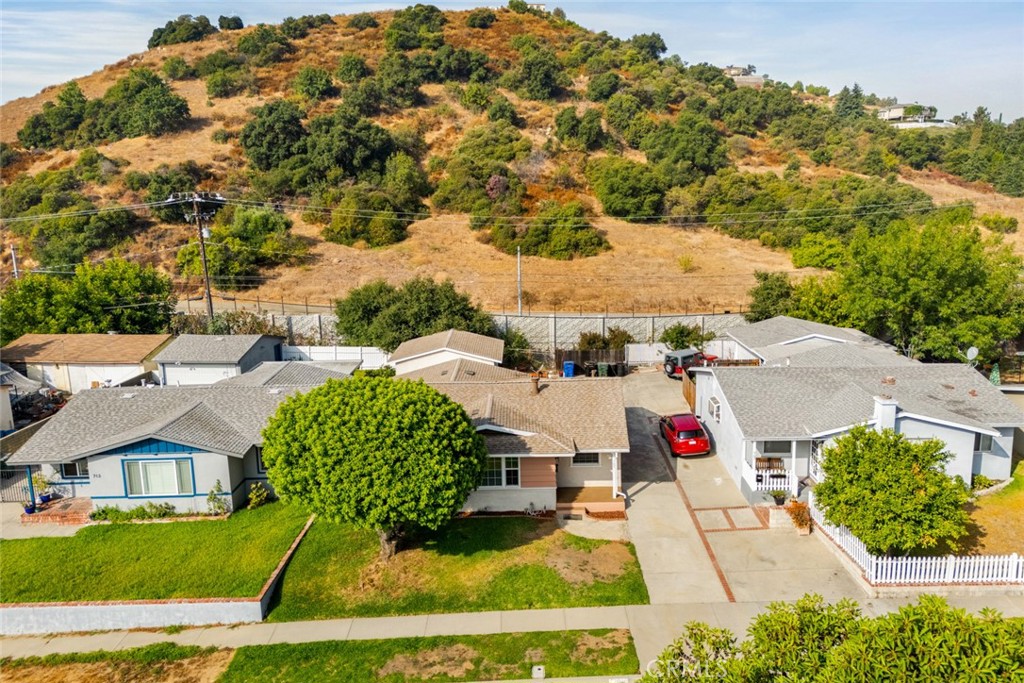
x: 952, y: 55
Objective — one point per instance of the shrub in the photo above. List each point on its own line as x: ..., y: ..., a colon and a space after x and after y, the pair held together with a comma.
x: 558, y: 231
x: 220, y: 60
x: 503, y: 110
x: 258, y: 495
x: 177, y: 69
x: 603, y: 86
x: 682, y: 336
x: 476, y: 97
x: 314, y: 83
x: 998, y: 222
x: 980, y: 482
x: 299, y: 28
x: 414, y: 27
x: 265, y: 45
x: 519, y: 6
x: 273, y: 135
x: 626, y: 189
x: 819, y: 251
x: 215, y: 501
x: 362, y: 21
x: 481, y: 18
x: 799, y: 513
x: 150, y: 510
x: 687, y: 264
x: 222, y: 136
x: 351, y: 69
x: 8, y: 155
x: 225, y: 83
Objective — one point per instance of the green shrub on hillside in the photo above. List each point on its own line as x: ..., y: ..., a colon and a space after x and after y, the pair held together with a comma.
x: 314, y: 83
x: 481, y: 18
x: 351, y: 68
x: 626, y: 189
x: 361, y: 21
x: 265, y: 45
x: 177, y: 69
x: 558, y: 231
x: 414, y: 27
x: 184, y: 29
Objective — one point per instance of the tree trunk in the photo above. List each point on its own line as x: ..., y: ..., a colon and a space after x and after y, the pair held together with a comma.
x: 389, y: 539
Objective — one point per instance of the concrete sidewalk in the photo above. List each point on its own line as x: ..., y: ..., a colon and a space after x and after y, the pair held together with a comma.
x: 653, y: 626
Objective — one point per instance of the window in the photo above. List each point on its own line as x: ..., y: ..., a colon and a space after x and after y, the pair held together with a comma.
x: 586, y: 459
x: 500, y: 473
x: 715, y: 409
x: 777, y: 447
x: 159, y: 477
x: 75, y: 470
x: 982, y: 443
x: 260, y: 467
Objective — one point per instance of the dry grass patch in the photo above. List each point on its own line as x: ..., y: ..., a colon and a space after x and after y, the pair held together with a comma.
x: 161, y: 663
x: 448, y: 660
x: 998, y: 520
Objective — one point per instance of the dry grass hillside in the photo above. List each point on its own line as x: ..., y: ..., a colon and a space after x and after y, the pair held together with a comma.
x: 649, y: 267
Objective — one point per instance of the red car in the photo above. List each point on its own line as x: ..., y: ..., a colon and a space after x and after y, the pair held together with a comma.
x: 685, y: 435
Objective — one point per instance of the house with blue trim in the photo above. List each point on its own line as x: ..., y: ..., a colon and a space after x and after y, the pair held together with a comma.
x: 128, y: 447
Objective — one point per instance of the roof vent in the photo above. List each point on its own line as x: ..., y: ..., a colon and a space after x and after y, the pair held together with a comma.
x: 470, y: 372
x: 972, y: 392
x: 275, y: 390
x: 127, y: 395
x: 948, y: 386
x: 889, y: 380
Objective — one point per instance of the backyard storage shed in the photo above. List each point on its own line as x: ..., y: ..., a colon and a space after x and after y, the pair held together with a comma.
x: 206, y: 358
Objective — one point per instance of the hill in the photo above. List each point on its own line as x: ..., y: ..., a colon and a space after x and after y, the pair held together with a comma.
x: 422, y: 145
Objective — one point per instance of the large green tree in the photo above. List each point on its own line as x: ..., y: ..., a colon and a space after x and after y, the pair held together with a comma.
x: 811, y: 641
x: 380, y: 315
x: 892, y: 493
x: 116, y: 295
x: 384, y: 454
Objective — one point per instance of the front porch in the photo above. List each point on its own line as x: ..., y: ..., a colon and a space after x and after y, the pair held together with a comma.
x: 589, y: 500
x: 63, y: 511
x: 771, y: 466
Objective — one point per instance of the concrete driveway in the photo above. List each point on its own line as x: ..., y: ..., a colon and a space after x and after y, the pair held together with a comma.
x: 12, y: 528
x: 697, y: 538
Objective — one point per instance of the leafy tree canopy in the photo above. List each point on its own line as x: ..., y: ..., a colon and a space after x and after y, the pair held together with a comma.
x: 184, y: 29
x: 682, y: 336
x: 811, y: 641
x: 893, y: 494
x: 381, y: 315
x: 115, y: 295
x: 384, y: 454
x: 626, y: 188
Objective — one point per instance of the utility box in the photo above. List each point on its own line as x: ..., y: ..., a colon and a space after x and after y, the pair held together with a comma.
x: 538, y: 673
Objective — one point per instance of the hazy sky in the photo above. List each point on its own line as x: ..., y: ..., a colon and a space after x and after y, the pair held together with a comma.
x: 954, y: 55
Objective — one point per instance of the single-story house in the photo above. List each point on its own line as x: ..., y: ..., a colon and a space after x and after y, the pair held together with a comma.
x: 172, y: 444
x: 206, y: 358
x: 771, y: 424
x: 782, y: 340
x: 75, y: 362
x: 547, y: 439
x: 442, y: 347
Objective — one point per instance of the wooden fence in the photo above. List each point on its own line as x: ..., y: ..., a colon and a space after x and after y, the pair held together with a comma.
x: 946, y: 569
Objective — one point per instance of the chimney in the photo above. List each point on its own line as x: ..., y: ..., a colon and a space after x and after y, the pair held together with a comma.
x: 885, y: 412
x: 535, y: 381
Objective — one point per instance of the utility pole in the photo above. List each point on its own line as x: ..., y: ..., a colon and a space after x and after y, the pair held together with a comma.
x: 14, y: 260
x: 519, y: 278
x: 200, y: 218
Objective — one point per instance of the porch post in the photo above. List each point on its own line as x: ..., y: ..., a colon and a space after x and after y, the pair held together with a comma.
x: 792, y: 468
x: 616, y: 477
x: 31, y: 488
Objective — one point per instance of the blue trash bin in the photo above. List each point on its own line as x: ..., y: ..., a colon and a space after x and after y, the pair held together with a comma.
x: 568, y: 369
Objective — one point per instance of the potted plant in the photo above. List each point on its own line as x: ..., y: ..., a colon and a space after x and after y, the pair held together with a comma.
x: 29, y: 507
x: 800, y: 513
x: 779, y: 495
x: 42, y: 486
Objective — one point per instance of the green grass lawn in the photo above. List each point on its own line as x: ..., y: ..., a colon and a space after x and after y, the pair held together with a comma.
x: 475, y: 564
x: 230, y: 558
x: 453, y: 658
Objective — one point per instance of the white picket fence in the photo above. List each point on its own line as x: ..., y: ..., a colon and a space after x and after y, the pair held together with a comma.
x: 947, y: 569
x: 371, y: 357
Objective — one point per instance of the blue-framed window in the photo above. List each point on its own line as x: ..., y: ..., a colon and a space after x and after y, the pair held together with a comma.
x: 159, y: 477
x: 75, y: 470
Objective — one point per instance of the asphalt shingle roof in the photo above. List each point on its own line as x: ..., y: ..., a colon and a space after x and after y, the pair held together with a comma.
x: 796, y: 402
x: 782, y: 329
x: 83, y: 348
x: 464, y: 370
x: 209, y: 348
x: 221, y: 419
x: 292, y: 373
x: 452, y: 340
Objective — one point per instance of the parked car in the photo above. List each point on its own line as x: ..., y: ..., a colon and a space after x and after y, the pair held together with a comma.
x: 685, y: 435
x: 678, y: 362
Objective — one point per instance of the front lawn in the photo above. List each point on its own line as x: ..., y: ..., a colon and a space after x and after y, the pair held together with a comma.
x: 998, y: 520
x: 204, y: 559
x: 475, y: 564
x: 450, y: 658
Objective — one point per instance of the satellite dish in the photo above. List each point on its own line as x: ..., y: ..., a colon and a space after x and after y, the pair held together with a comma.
x: 972, y: 353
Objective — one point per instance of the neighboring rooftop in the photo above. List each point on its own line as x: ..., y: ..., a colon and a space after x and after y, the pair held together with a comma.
x: 210, y: 348
x: 83, y: 348
x: 469, y: 343
x: 783, y: 331
x: 797, y: 402
x: 821, y: 353
x: 464, y: 370
x: 566, y: 416
x: 292, y: 373
x: 222, y: 419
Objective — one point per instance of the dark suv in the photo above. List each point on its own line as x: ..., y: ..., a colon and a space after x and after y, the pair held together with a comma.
x: 678, y: 362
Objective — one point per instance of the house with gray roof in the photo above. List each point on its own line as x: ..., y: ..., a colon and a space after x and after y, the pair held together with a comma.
x: 173, y: 444
x: 442, y: 347
x: 193, y: 359
x: 782, y: 339
x: 770, y: 424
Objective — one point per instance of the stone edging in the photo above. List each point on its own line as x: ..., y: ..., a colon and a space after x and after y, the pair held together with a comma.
x: 992, y: 489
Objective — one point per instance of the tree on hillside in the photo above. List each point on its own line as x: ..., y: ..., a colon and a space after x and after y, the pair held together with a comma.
x: 626, y: 188
x: 380, y: 315
x: 384, y: 454
x: 184, y: 29
x: 116, y: 295
x: 770, y: 297
x: 850, y: 103
x: 229, y: 23
x: 811, y: 641
x: 892, y: 493
x: 273, y: 135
